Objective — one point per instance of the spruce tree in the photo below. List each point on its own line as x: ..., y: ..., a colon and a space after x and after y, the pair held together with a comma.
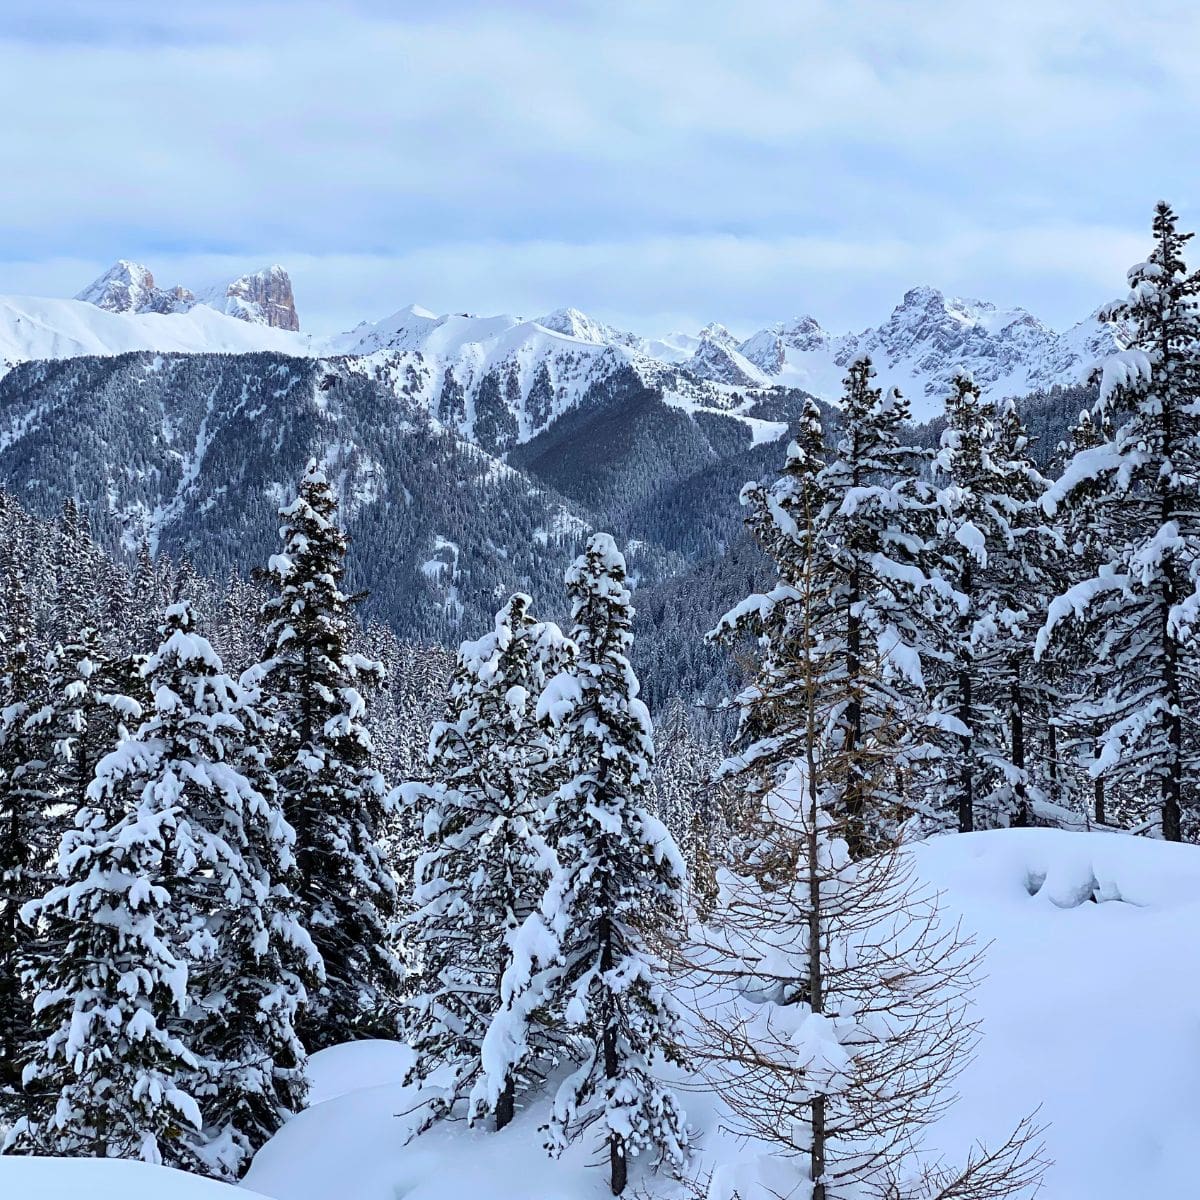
x: 869, y: 539
x: 1141, y: 605
x: 237, y: 919
x: 82, y: 719
x: 687, y: 799
x: 1072, y: 672
x: 217, y: 919
x: 620, y: 882
x: 25, y: 824
x: 1019, y: 571
x: 321, y: 756
x: 476, y: 928
x: 108, y: 1073
x: 989, y: 549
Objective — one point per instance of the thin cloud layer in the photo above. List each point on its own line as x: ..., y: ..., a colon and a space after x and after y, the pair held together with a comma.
x: 654, y: 163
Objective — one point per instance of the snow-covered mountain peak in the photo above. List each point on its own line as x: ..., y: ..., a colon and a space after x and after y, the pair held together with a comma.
x: 258, y: 297
x: 129, y: 287
x: 716, y: 332
x: 768, y: 349
x: 719, y: 360
x: 544, y: 366
x: 576, y: 324
x: 925, y: 338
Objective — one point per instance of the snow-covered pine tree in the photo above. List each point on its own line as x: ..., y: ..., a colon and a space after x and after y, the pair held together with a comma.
x: 621, y: 880
x: 321, y: 756
x: 869, y: 540
x: 1019, y: 573
x: 79, y: 571
x: 1143, y: 603
x: 862, y: 522
x: 834, y: 1004
x: 83, y: 717
x: 107, y: 1072
x: 25, y: 824
x: 216, y: 914
x: 989, y: 549
x: 476, y: 928
x: 1069, y: 671
x: 230, y: 856
x: 687, y: 799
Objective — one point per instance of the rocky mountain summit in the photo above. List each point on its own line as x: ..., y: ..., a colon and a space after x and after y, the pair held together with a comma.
x: 925, y: 339
x: 128, y: 287
x: 261, y: 297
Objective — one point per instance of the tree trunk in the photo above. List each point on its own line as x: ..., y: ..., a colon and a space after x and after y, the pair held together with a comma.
x: 1017, y: 728
x: 506, y: 1104
x: 966, y: 779
x: 966, y: 775
x: 856, y: 839
x: 1052, y: 758
x: 617, y: 1166
x: 1172, y: 785
x: 816, y: 980
x: 1098, y: 792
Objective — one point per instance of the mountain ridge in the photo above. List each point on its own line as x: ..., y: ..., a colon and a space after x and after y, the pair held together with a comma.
x: 917, y: 347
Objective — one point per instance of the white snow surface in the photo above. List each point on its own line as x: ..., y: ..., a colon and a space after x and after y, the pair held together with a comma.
x: 1087, y: 1009
x: 354, y: 1066
x: 107, y: 1179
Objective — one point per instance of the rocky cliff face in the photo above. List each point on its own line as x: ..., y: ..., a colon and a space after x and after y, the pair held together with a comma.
x: 262, y: 298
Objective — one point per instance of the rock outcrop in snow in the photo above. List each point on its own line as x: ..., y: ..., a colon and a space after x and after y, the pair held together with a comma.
x: 264, y: 298
x: 716, y: 359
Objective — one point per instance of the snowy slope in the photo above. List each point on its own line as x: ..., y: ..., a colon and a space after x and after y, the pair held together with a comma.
x: 34, y: 328
x: 462, y: 367
x: 510, y: 375
x: 1087, y: 1010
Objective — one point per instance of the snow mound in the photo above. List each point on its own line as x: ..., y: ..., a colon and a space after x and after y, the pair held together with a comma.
x: 1087, y: 1010
x: 1088, y: 1005
x: 354, y: 1066
x: 107, y: 1179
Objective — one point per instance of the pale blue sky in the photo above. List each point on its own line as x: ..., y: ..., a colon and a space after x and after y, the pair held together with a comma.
x: 658, y: 164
